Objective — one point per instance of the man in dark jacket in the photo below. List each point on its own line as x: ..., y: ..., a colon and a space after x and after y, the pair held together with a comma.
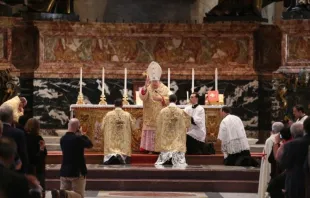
x: 73, y: 168
x: 6, y: 116
x: 293, y: 159
x: 12, y: 184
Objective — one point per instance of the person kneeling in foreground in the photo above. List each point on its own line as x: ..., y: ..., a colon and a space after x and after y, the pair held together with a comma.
x: 117, y: 127
x: 235, y: 145
x: 170, y: 141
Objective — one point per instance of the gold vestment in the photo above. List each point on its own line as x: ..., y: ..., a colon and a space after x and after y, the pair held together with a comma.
x: 14, y: 104
x: 117, y: 127
x: 172, y: 124
x: 152, y: 108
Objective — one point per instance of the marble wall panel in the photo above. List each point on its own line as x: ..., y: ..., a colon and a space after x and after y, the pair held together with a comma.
x: 52, y: 97
x: 25, y: 48
x: 199, y: 50
x: 267, y: 49
x: 298, y: 48
x: 64, y: 47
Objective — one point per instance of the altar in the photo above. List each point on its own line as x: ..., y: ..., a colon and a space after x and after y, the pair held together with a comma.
x: 91, y: 116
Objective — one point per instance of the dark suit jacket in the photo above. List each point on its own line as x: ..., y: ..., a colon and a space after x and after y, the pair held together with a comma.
x: 73, y: 161
x: 293, y: 160
x: 19, y: 137
x: 12, y: 184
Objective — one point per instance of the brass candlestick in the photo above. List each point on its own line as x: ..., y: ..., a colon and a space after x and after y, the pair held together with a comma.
x: 80, y: 99
x: 103, y: 100
x: 125, y: 100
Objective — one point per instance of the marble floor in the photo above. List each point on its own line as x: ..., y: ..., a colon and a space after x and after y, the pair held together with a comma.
x: 138, y: 194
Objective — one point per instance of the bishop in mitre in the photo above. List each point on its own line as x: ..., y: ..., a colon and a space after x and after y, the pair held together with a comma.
x: 172, y: 123
x: 154, y: 95
x: 17, y: 104
x: 117, y: 127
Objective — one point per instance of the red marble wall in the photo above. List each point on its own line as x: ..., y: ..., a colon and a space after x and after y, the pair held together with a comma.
x: 295, y: 45
x: 240, y: 50
x: 64, y: 47
x: 6, y: 25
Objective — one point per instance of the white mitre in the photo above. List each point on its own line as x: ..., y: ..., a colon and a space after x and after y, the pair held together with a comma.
x: 154, y: 71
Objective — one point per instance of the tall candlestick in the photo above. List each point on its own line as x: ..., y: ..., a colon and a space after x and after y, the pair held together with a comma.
x: 125, y: 82
x: 102, y: 86
x: 187, y: 96
x: 81, y: 82
x: 193, y: 79
x: 169, y: 79
x: 216, y: 79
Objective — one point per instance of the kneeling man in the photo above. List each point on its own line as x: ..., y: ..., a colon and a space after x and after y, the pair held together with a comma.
x: 235, y: 145
x: 117, y: 127
x: 170, y: 139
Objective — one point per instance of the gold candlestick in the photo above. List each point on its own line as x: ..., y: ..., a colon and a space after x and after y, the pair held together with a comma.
x: 125, y: 100
x: 80, y: 99
x: 103, y: 100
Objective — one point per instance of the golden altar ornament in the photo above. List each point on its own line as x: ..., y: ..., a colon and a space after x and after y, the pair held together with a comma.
x: 125, y: 100
x: 80, y: 99
x: 103, y: 100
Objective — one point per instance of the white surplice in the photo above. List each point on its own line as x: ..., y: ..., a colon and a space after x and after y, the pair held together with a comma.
x: 301, y: 120
x: 232, y: 135
x: 198, y: 131
x: 265, y: 168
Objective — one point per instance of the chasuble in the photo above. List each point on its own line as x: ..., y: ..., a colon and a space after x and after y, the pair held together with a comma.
x: 14, y: 103
x: 152, y: 108
x: 172, y: 124
x: 117, y: 127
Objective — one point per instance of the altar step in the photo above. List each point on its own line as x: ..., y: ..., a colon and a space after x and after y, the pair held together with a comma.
x: 55, y: 157
x: 199, y: 178
x: 53, y: 144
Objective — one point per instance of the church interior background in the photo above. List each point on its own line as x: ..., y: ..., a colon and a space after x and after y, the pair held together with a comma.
x: 259, y: 47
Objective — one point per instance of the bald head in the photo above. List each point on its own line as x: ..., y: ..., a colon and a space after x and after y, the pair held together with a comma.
x: 6, y: 113
x: 74, y: 125
x: 23, y: 101
x: 297, y: 130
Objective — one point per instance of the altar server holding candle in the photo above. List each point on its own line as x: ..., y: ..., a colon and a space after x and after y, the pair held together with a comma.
x: 155, y: 97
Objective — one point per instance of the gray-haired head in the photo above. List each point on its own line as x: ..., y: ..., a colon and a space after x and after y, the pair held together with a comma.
x: 277, y: 127
x: 297, y: 130
x: 6, y: 113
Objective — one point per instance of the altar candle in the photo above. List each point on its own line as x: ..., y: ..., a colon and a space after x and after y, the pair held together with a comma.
x: 102, y: 88
x: 216, y: 80
x: 125, y: 82
x: 187, y: 96
x: 81, y: 82
x: 169, y: 79
x: 193, y: 79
